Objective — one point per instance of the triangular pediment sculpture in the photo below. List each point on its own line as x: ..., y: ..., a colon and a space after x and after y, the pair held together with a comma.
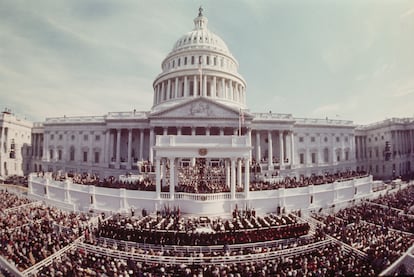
x: 198, y: 108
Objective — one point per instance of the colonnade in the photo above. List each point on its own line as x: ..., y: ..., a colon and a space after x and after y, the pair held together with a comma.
x: 286, y: 148
x: 37, y: 146
x: 233, y: 170
x: 199, y: 85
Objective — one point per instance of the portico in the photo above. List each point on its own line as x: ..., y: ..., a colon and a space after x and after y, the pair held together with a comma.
x: 232, y: 151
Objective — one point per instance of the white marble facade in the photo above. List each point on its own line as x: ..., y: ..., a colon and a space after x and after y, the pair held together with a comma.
x: 199, y: 93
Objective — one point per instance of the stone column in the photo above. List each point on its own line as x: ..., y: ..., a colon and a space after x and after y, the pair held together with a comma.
x: 118, y: 148
x: 230, y: 90
x: 106, y: 148
x: 176, y: 88
x: 157, y: 178
x: 129, y: 148
x: 221, y: 131
x: 239, y: 173
x: 258, y: 149
x: 281, y: 150
x: 163, y: 173
x: 172, y: 177
x: 165, y: 131
x: 168, y: 89
x: 185, y: 86
x: 178, y: 131
x: 223, y: 88
x: 227, y: 166
x: 214, y: 87
x: 247, y: 178
x: 292, y: 149
x: 141, y: 143
x: 207, y: 131
x: 162, y: 98
x: 270, y: 150
x: 45, y: 146
x: 151, y: 144
x: 205, y: 85
x: 249, y: 142
x: 233, y: 179
x: 195, y: 86
x: 193, y: 131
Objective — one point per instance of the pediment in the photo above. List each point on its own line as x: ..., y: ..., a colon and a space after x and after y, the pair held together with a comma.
x: 198, y: 108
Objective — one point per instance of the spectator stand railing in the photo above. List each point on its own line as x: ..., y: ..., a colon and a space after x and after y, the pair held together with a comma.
x: 284, y: 244
x: 174, y: 260
x: 406, y: 261
x: 31, y: 271
x: 14, y: 209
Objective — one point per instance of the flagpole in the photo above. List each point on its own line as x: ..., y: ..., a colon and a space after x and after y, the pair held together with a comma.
x: 201, y: 75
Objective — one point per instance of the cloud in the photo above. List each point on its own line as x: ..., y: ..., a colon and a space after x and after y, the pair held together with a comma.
x: 407, y: 14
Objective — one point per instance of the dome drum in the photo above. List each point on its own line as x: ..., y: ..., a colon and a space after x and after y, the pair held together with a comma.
x: 199, y: 65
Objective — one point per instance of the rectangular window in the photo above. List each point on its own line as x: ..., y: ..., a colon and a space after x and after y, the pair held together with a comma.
x: 51, y: 154
x: 185, y: 60
x: 326, y: 155
x: 52, y: 136
x: 85, y: 156
x: 85, y: 137
x: 60, y: 137
x: 72, y: 154
x: 302, y: 158
x: 300, y: 139
x: 313, y: 158
x: 59, y: 154
x: 97, y: 138
x: 96, y: 157
x: 346, y: 155
x: 192, y: 59
x: 312, y: 139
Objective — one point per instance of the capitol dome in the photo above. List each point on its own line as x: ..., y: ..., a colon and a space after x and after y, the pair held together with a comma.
x: 199, y: 37
x: 199, y: 65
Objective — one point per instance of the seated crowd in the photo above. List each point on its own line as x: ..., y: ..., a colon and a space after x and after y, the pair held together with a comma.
x: 33, y: 232
x: 202, y: 179
x: 302, y: 181
x: 330, y: 260
x: 44, y: 230
x: 402, y: 200
x: 9, y: 200
x: 173, y: 229
x: 368, y: 229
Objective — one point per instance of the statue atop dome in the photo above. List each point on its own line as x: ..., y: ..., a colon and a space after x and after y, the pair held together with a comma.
x: 200, y: 11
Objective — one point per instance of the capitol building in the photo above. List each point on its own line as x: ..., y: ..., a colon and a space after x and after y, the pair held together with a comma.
x: 200, y: 117
x: 200, y: 185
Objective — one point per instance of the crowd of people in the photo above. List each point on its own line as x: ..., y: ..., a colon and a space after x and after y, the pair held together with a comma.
x: 330, y: 260
x: 31, y: 233
x: 176, y: 230
x: 201, y: 178
x: 402, y: 199
x: 371, y: 230
x: 304, y: 181
x: 9, y: 200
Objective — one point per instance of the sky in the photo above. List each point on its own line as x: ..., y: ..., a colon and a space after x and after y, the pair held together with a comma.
x: 348, y: 59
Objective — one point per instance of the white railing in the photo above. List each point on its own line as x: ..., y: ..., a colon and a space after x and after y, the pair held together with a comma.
x: 173, y: 260
x: 272, y: 116
x: 75, y: 119
x: 320, y: 121
x: 34, y: 269
x: 126, y: 115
